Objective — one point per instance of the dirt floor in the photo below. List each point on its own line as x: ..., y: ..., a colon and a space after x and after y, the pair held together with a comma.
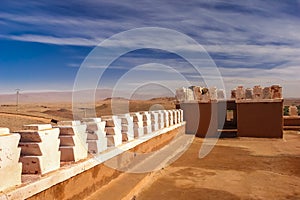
x: 238, y: 168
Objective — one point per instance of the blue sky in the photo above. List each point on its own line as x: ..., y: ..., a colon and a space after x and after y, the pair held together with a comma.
x: 43, y: 43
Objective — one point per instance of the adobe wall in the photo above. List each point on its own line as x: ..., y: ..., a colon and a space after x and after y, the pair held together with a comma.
x: 260, y: 119
x: 291, y: 120
x: 201, y: 118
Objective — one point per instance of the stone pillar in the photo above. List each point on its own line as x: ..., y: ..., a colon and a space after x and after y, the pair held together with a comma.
x: 205, y: 96
x: 154, y: 121
x: 249, y: 93
x: 113, y: 130
x: 127, y: 127
x: 213, y: 93
x: 267, y: 93
x: 165, y: 116
x: 96, y: 135
x: 240, y: 93
x: 257, y: 92
x: 146, y: 122
x: 160, y: 121
x: 175, y: 116
x: 197, y: 93
x: 39, y: 148
x: 138, y: 129
x: 181, y: 115
x: 189, y: 94
x: 171, y: 120
x: 178, y: 116
x: 276, y: 92
x: 293, y: 111
x: 233, y: 94
x: 73, y: 141
x: 221, y: 94
x: 10, y: 168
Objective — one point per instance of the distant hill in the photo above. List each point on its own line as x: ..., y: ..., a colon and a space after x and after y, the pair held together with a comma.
x: 291, y: 101
x: 66, y: 96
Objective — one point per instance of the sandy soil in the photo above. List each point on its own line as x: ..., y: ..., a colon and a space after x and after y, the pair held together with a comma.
x: 240, y: 168
x: 32, y: 113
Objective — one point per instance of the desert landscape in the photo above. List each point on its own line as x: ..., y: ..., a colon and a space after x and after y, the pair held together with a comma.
x: 151, y: 99
x: 43, y: 112
x: 237, y: 168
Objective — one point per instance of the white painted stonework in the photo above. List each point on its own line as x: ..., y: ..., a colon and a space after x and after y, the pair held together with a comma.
x: 73, y: 146
x: 39, y: 148
x: 10, y: 168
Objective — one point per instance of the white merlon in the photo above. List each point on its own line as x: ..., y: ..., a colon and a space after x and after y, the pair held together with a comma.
x: 127, y: 127
x: 113, y: 130
x: 73, y: 146
x: 181, y: 115
x: 146, y: 122
x: 154, y: 121
x: 138, y: 129
x: 166, y: 118
x: 10, y: 168
x: 96, y: 135
x: 171, y: 120
x: 175, y: 116
x: 39, y: 148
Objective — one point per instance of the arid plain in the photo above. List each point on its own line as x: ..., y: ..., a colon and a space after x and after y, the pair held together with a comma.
x: 237, y: 168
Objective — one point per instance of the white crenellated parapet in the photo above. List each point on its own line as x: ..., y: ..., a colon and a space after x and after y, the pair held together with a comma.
x: 138, y: 128
x: 155, y: 125
x: 39, y: 148
x: 146, y: 122
x: 10, y: 168
x: 96, y: 135
x: 73, y: 140
x: 127, y: 127
x: 113, y: 130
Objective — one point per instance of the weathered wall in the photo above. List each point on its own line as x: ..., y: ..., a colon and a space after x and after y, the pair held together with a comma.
x: 260, y: 119
x: 201, y: 118
x: 84, y: 184
x: 291, y: 121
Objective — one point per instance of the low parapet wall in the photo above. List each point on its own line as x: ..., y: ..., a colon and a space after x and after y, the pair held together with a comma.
x: 76, y: 179
x: 291, y: 123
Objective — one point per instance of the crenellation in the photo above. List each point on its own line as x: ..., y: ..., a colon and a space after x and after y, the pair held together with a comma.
x: 113, y: 130
x: 73, y: 135
x: 41, y: 148
x: 39, y: 145
x: 249, y: 93
x: 266, y: 93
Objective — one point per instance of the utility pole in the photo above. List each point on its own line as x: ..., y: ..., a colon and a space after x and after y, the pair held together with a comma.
x: 18, y: 92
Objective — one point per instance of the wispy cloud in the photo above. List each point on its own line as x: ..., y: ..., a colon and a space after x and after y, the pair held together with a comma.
x: 248, y: 40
